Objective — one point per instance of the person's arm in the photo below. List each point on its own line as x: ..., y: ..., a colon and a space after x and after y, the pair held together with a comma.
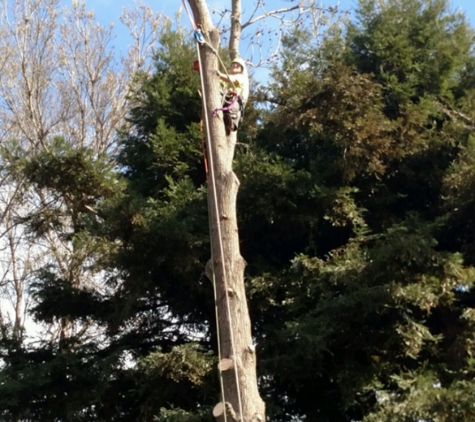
x: 223, y: 77
x: 236, y: 80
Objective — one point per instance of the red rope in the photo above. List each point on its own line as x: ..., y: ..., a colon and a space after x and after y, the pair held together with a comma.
x: 203, y: 148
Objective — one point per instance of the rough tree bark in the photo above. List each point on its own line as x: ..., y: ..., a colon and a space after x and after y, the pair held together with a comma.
x: 238, y: 366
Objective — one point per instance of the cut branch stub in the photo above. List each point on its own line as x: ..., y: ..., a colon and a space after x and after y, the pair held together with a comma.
x: 225, y: 364
x: 221, y: 408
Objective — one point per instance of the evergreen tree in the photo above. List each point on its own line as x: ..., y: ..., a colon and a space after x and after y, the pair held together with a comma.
x: 355, y: 216
x: 377, y: 306
x: 139, y: 223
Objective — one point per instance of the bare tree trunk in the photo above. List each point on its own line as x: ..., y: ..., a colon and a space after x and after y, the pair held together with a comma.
x: 238, y: 363
x: 236, y: 28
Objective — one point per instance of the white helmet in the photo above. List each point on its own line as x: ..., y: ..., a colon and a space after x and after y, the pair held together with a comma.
x: 240, y: 62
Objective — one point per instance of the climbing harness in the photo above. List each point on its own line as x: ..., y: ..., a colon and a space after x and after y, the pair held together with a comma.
x: 201, y: 41
x: 235, y: 98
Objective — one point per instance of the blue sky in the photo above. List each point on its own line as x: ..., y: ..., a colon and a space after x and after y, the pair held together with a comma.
x: 108, y: 11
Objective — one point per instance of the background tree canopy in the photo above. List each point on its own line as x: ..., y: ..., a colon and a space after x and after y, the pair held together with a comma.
x: 357, y: 221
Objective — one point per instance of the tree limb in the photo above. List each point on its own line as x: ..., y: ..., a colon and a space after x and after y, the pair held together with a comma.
x: 272, y: 13
x: 456, y: 115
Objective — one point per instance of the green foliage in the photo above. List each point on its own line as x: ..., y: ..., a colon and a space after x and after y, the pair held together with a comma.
x: 183, y: 362
x: 413, y: 48
x: 74, y: 173
x: 179, y: 415
x: 376, y: 302
x: 422, y: 395
x: 171, y: 92
x: 68, y: 182
x: 356, y: 218
x: 121, y: 219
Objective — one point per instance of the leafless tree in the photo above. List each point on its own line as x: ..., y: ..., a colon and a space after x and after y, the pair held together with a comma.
x: 59, y: 76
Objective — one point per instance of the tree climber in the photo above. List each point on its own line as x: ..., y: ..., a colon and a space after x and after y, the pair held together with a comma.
x: 236, y: 86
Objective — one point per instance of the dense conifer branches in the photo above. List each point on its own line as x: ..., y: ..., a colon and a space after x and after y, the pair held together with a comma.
x: 356, y: 220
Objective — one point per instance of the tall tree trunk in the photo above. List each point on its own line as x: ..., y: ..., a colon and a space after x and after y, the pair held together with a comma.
x: 238, y: 363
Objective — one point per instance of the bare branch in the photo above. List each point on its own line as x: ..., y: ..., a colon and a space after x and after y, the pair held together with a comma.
x: 275, y: 12
x: 59, y: 76
x: 274, y: 23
